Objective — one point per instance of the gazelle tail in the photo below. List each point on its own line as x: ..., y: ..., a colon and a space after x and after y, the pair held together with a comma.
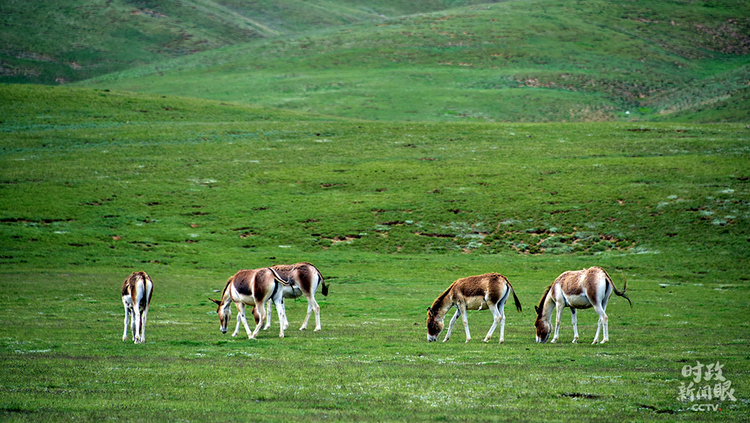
x: 624, y: 287
x: 515, y: 298
x: 323, y: 286
x: 278, y: 277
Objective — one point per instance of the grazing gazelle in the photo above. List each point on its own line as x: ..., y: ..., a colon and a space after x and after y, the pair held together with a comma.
x: 296, y: 280
x: 490, y: 291
x: 580, y: 289
x: 136, y: 296
x: 249, y: 287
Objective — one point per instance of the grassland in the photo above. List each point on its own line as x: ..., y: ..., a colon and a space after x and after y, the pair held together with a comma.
x: 62, y: 41
x: 431, y: 60
x: 95, y: 184
x: 364, y: 137
x: 521, y: 61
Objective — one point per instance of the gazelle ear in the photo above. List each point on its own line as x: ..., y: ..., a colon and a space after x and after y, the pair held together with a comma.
x: 216, y: 301
x: 537, y: 309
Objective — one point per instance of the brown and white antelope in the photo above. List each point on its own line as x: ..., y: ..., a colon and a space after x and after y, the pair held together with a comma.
x: 490, y: 291
x: 580, y: 289
x: 296, y: 280
x: 253, y: 287
x: 136, y: 297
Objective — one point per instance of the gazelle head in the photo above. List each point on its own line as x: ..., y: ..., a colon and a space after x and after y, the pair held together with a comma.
x: 225, y: 313
x: 543, y: 326
x: 434, y: 325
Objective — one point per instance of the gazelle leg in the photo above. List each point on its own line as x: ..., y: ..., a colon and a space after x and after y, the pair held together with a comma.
x: 316, y: 309
x: 602, y: 325
x: 558, y: 318
x: 312, y: 306
x: 282, y: 318
x: 261, y: 322
x: 144, y: 317
x: 138, y: 323
x: 239, y: 321
x: 501, y: 309
x: 243, y: 318
x: 125, y: 331
x: 575, y: 324
x: 598, y: 329
x: 495, y: 320
x: 462, y: 307
x: 450, y: 325
x: 606, y: 320
x: 606, y: 328
x: 269, y: 304
x: 283, y: 307
x: 132, y: 325
x: 307, y: 317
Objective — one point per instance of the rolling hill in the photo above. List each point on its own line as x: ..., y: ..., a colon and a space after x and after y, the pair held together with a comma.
x: 187, y: 149
x: 56, y: 42
x: 516, y: 61
x: 519, y: 61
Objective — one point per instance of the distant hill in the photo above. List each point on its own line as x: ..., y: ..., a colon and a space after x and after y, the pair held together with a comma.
x: 432, y: 60
x: 524, y: 61
x: 60, y: 41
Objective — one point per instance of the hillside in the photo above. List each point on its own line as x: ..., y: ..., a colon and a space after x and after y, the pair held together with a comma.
x: 516, y: 61
x: 61, y: 41
x: 100, y: 167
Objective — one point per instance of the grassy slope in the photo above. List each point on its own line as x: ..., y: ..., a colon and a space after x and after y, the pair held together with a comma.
x: 515, y: 61
x: 194, y: 190
x: 381, y: 185
x: 54, y: 42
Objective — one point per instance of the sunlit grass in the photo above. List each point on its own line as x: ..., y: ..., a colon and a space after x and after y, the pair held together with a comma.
x: 391, y: 213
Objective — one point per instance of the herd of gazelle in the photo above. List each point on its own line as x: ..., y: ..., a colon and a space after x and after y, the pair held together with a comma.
x: 264, y: 287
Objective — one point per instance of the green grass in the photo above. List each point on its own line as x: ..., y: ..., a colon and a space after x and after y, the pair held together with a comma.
x: 431, y: 60
x: 407, y: 187
x: 542, y: 61
x: 371, y: 361
x: 96, y: 184
x: 62, y: 41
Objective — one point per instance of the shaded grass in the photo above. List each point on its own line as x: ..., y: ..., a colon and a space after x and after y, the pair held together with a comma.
x: 42, y: 42
x: 543, y: 61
